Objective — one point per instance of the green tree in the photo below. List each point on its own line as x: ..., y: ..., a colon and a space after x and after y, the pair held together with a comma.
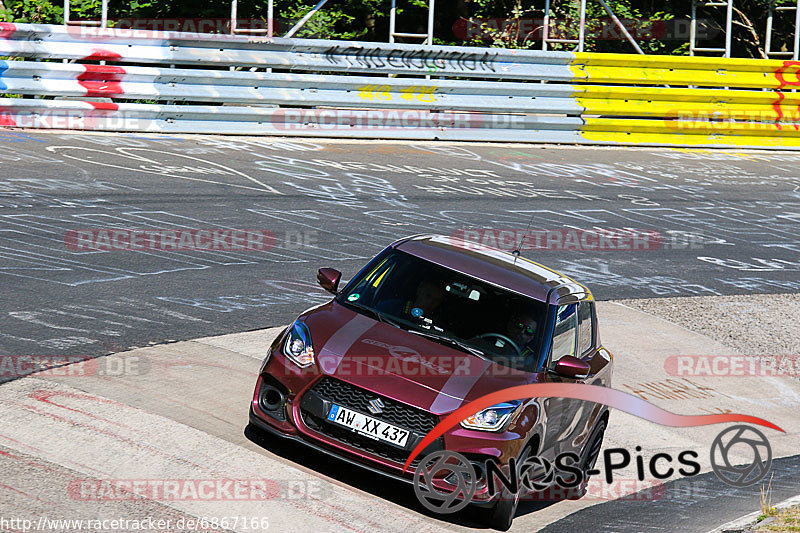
x: 31, y: 11
x: 659, y: 27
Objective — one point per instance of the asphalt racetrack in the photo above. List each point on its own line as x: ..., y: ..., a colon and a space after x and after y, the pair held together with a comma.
x: 726, y: 221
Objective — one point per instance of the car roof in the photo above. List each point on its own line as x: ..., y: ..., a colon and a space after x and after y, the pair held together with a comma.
x: 503, y: 269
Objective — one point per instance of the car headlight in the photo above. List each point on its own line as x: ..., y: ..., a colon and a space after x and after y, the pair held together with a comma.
x: 297, y: 347
x: 493, y: 418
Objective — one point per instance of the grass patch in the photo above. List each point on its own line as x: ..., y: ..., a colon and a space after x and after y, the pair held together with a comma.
x: 786, y: 520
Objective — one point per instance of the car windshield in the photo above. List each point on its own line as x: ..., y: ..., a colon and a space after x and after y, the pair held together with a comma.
x: 449, y: 307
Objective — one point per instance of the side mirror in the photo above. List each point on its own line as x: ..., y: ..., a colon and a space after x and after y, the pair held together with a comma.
x: 328, y: 279
x: 572, y: 367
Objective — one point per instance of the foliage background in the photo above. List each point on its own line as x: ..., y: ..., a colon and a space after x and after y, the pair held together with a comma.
x: 368, y: 20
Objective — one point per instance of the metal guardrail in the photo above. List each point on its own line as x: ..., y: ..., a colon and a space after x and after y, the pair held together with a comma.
x: 476, y: 93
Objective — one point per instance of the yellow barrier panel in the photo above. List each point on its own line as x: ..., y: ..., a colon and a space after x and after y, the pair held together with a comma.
x: 670, y: 100
x: 676, y: 132
x: 674, y: 62
x: 675, y: 126
x: 713, y: 140
x: 696, y: 71
x: 654, y: 76
x: 691, y: 110
x: 674, y: 94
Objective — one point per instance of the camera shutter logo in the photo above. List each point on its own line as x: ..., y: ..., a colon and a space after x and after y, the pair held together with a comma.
x: 537, y: 474
x: 376, y: 406
x: 735, y: 440
x: 457, y: 471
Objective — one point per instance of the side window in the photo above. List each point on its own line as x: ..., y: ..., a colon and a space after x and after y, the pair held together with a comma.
x: 565, y: 332
x: 585, y: 327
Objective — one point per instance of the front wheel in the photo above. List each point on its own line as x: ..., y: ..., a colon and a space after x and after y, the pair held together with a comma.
x: 589, y: 457
x: 502, y: 514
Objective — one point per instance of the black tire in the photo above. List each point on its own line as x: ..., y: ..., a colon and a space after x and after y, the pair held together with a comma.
x: 502, y: 514
x: 592, y: 451
x: 589, y: 457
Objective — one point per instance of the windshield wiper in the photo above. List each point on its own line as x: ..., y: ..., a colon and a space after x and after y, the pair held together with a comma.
x: 448, y: 340
x: 374, y: 313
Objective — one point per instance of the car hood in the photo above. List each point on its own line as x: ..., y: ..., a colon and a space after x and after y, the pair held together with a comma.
x: 401, y: 365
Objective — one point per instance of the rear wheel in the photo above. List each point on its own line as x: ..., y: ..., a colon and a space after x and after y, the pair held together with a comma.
x: 502, y: 514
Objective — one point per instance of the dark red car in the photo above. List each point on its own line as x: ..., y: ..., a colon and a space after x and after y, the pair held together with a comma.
x: 428, y: 325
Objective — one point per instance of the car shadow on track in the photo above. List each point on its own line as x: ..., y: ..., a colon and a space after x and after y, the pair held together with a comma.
x: 380, y: 486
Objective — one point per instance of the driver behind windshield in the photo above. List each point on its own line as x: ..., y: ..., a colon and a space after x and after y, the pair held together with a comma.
x: 426, y: 303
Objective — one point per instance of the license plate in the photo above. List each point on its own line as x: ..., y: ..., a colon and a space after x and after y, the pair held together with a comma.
x: 368, y: 426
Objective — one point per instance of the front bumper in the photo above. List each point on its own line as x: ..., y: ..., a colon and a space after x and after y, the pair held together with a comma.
x: 293, y: 423
x: 303, y: 415
x: 274, y: 432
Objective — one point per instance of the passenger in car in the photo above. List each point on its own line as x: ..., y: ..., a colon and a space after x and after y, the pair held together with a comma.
x: 521, y: 328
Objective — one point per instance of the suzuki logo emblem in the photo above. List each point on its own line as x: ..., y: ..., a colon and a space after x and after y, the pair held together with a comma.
x: 376, y: 406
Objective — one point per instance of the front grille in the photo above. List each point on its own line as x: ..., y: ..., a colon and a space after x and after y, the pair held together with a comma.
x: 394, y: 412
x: 330, y: 390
